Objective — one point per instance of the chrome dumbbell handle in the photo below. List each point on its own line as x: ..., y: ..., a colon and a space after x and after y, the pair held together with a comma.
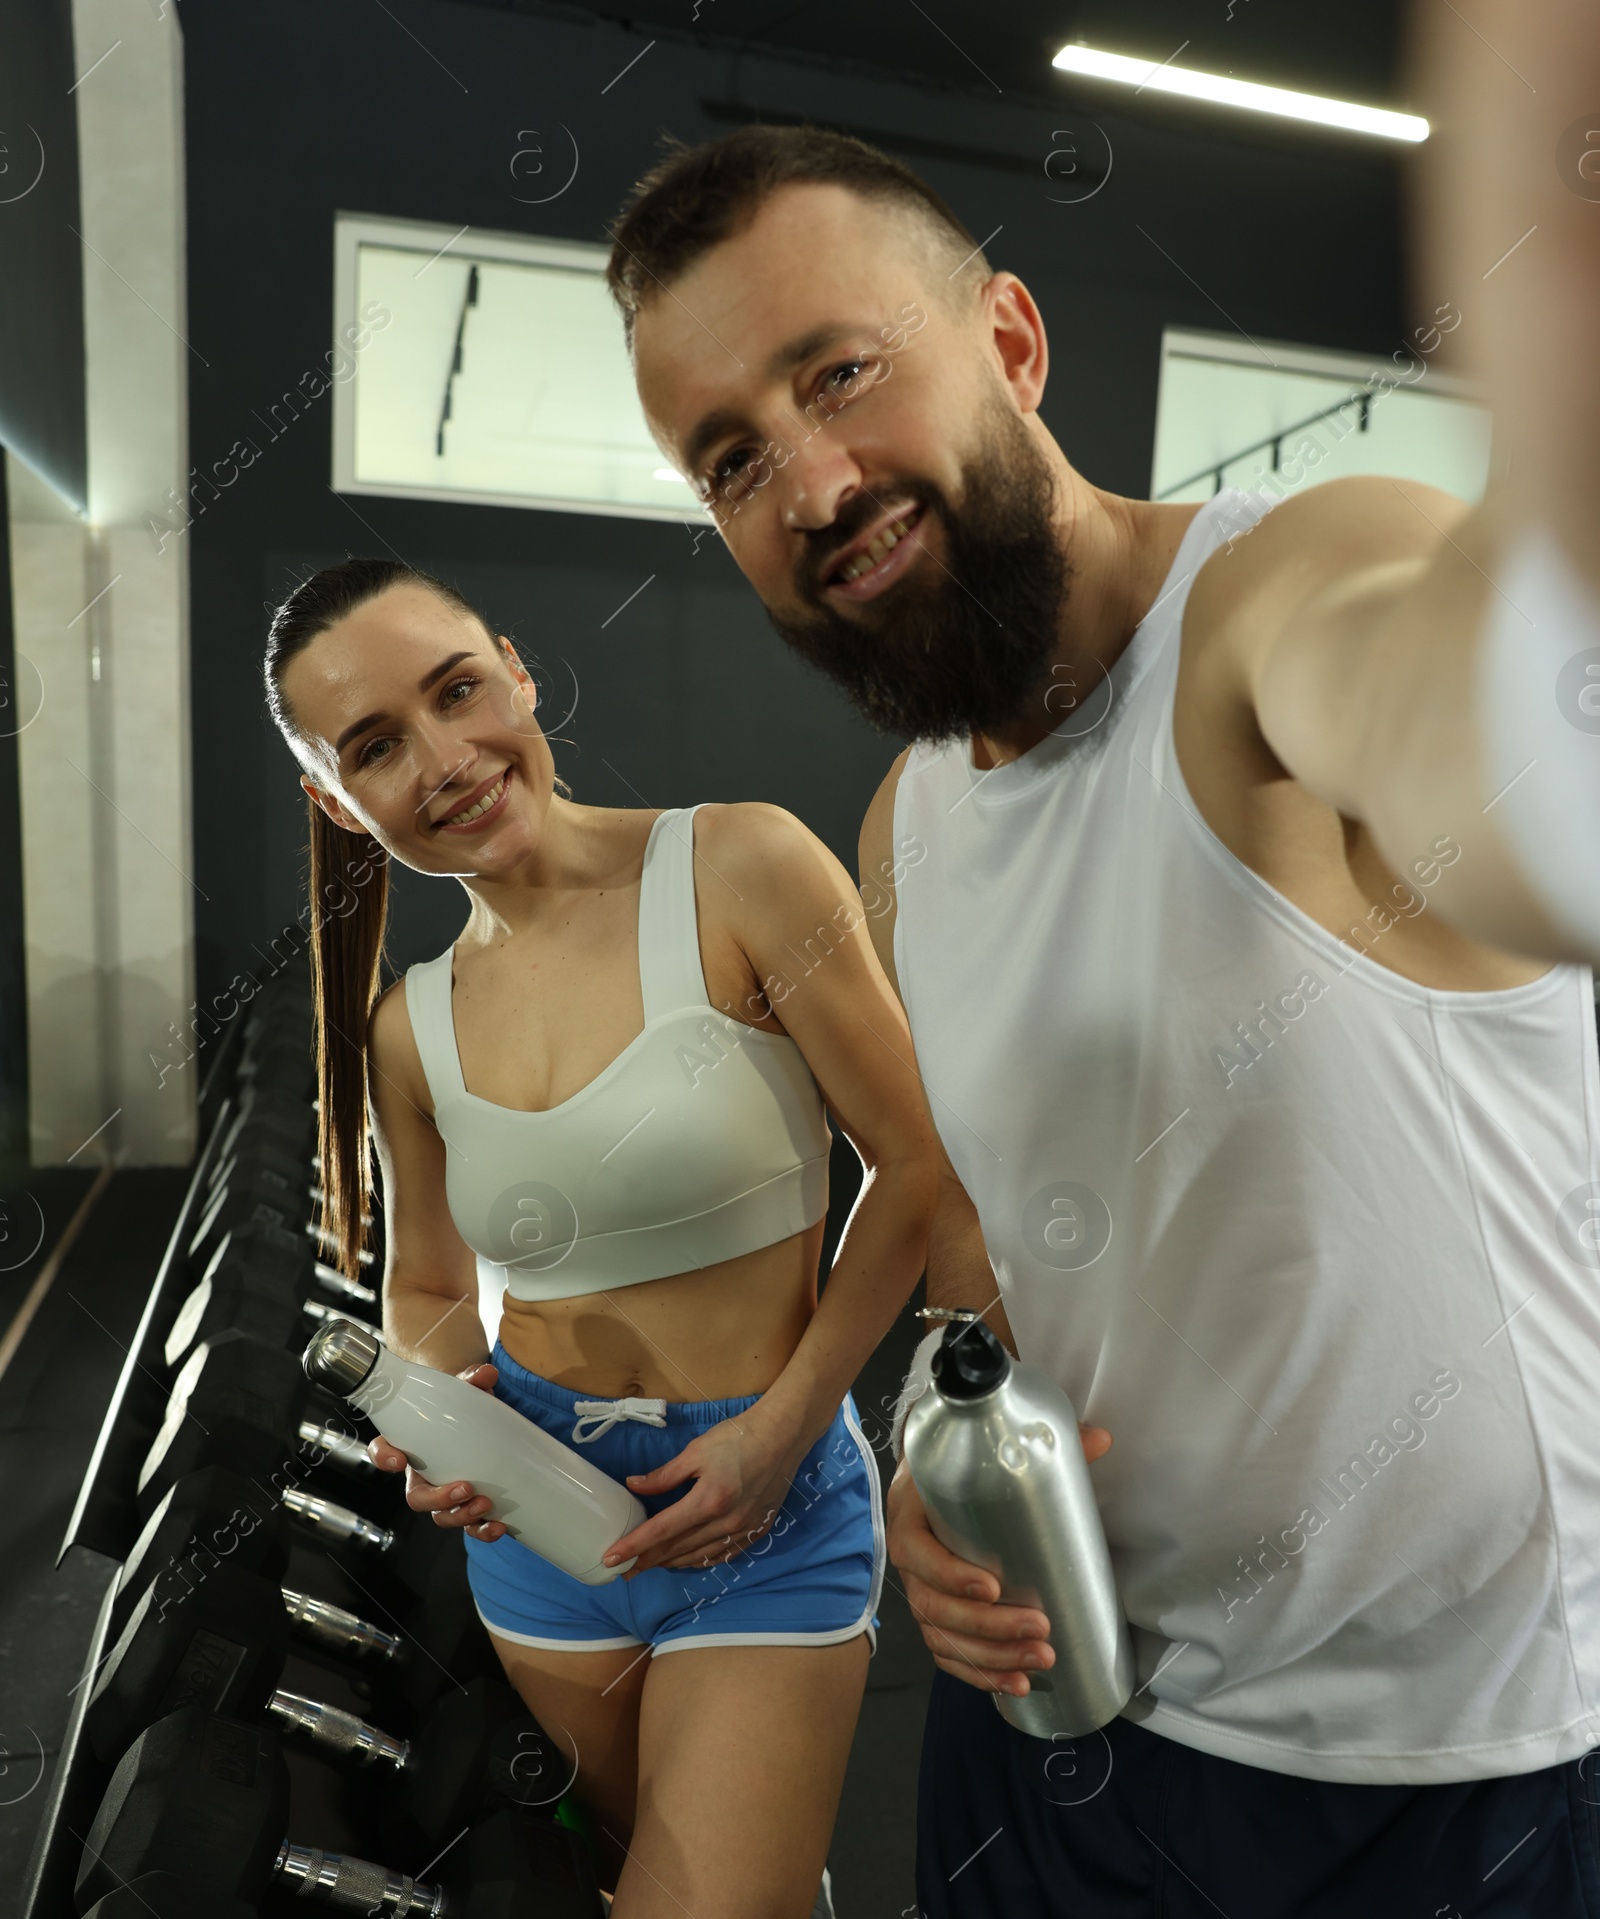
x: 335, y: 1282
x: 318, y: 1311
x: 344, y: 1634
x: 337, y: 1522
x: 325, y: 1240
x: 356, y: 1885
x: 331, y: 1729
x: 339, y: 1446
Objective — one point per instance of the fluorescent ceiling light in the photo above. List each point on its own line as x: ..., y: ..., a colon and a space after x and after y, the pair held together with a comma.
x: 1164, y: 78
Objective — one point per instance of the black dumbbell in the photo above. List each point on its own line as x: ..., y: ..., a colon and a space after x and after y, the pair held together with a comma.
x: 325, y: 1242
x: 205, y: 1797
x: 217, y: 1514
x: 262, y: 1117
x: 239, y: 1401
x: 264, y: 1283
x: 286, y: 1062
x: 262, y: 1114
x: 163, y: 1895
x: 220, y: 1643
x: 292, y: 1153
x: 402, y: 1559
x: 430, y: 1630
x: 283, y: 1027
x: 283, y: 1002
x: 289, y: 1246
x: 246, y: 1191
x: 232, y: 1204
x: 477, y: 1746
x: 206, y: 1517
x: 280, y: 1076
x: 247, y: 1146
x: 219, y: 1637
x: 251, y: 1193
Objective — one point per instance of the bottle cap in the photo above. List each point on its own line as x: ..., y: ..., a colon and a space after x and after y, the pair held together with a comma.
x: 969, y: 1361
x: 340, y: 1356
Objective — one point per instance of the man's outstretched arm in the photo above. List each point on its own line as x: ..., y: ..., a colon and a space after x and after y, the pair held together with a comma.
x: 1421, y: 667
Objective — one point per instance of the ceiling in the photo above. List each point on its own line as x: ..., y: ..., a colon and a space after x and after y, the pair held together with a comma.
x: 1350, y: 49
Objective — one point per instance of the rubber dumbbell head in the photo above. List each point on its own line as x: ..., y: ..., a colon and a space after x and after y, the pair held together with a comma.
x: 163, y: 1895
x: 237, y: 1401
x: 206, y: 1798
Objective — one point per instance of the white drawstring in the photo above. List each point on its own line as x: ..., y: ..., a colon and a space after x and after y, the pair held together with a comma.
x: 604, y: 1414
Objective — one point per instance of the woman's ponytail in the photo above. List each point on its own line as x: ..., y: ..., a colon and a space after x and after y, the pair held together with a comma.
x: 349, y: 911
x: 349, y: 908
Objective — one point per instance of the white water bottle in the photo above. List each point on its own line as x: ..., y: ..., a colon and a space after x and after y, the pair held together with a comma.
x: 547, y: 1496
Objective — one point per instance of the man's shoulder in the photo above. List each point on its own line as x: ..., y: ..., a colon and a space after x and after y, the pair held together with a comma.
x: 879, y: 816
x: 873, y: 848
x: 877, y: 869
x: 1316, y: 546
x: 1321, y: 534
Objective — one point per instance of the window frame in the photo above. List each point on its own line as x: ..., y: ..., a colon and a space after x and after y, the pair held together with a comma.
x: 351, y: 231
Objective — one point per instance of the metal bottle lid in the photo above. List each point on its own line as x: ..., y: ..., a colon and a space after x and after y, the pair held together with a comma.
x: 969, y: 1361
x: 340, y: 1356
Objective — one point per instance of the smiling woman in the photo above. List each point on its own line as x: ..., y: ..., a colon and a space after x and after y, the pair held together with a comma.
x: 594, y: 1089
x: 349, y: 873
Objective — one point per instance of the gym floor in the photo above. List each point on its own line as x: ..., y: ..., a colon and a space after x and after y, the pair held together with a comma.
x: 52, y: 1396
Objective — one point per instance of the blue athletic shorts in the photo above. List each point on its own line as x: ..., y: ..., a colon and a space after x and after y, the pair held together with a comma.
x: 812, y: 1579
x: 1126, y: 1823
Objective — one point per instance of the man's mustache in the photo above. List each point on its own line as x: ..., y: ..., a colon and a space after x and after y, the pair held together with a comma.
x: 822, y: 550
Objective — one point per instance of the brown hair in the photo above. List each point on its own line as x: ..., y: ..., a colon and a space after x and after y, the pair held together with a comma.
x: 699, y: 196
x: 349, y: 907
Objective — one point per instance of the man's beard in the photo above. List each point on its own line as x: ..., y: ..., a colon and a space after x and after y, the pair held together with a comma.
x: 968, y: 648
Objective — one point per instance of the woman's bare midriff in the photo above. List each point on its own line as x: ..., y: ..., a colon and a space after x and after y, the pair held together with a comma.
x: 723, y: 1332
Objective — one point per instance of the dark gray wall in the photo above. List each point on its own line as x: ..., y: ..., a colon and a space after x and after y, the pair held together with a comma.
x: 41, y: 274
x: 41, y: 420
x: 297, y: 108
x: 13, y: 982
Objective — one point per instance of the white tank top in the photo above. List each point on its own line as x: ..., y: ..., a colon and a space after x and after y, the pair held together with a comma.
x: 702, y: 1140
x: 1320, y: 1247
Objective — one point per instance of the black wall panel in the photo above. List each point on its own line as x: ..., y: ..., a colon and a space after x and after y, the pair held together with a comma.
x: 41, y: 271
x: 14, y: 710
x: 297, y: 108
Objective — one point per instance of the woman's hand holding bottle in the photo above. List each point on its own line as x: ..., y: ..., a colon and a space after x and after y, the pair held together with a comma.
x: 455, y: 1504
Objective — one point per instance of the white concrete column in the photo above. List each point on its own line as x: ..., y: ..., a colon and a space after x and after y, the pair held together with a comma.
x: 102, y: 615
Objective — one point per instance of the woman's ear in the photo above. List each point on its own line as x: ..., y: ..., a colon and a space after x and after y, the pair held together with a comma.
x: 339, y: 814
x: 524, y: 679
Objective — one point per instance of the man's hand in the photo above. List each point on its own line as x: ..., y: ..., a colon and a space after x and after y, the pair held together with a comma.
x: 454, y: 1505
x: 970, y: 1634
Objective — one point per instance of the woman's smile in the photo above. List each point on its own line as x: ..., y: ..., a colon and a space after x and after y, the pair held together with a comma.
x: 484, y: 803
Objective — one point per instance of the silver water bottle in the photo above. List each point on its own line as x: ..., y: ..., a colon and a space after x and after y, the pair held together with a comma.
x: 994, y: 1450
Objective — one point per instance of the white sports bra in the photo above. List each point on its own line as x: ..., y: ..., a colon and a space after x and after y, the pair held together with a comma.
x: 703, y: 1139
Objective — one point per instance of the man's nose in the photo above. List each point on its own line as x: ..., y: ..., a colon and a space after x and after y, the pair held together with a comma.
x: 816, y: 480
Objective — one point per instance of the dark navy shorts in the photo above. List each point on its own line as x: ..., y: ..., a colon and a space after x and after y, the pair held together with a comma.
x: 812, y: 1579
x: 1128, y: 1824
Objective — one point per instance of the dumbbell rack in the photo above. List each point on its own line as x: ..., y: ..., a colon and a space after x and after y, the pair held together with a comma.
x: 103, y: 1522
x: 265, y: 1062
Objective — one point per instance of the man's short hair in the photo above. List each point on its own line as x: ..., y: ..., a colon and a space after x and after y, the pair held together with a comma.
x: 698, y: 197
